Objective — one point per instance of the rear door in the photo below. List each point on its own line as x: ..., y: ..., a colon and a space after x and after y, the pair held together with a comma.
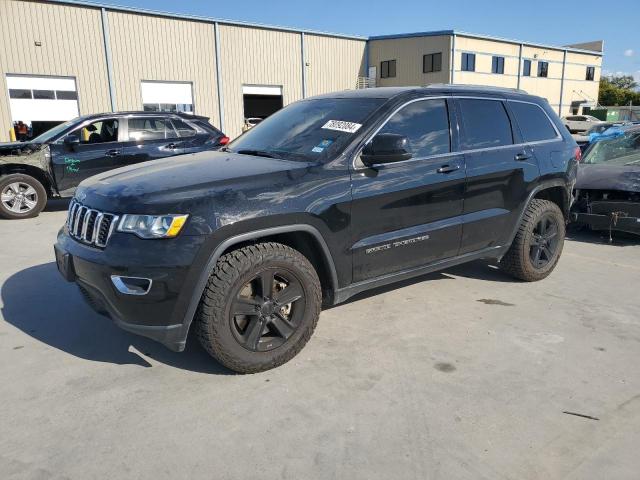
x: 408, y: 214
x: 150, y: 138
x: 500, y: 170
x: 98, y: 151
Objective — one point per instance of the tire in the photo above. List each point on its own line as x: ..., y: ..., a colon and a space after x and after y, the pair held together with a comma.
x: 233, y: 311
x: 21, y: 196
x: 520, y: 260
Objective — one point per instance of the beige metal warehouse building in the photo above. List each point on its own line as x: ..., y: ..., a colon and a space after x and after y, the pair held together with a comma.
x: 63, y: 58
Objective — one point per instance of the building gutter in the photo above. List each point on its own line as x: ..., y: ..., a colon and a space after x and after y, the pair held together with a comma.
x: 304, y: 68
x: 107, y: 53
x: 453, y: 58
x: 564, y: 64
x: 519, y: 66
x: 216, y: 34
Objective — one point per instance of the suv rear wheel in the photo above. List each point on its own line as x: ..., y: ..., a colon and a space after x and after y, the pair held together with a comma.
x: 21, y: 196
x: 536, y: 249
x: 259, y: 308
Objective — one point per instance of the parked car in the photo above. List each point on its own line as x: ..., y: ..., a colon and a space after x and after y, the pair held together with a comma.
x: 580, y: 123
x: 594, y: 132
x: 328, y: 197
x: 54, y: 163
x: 608, y: 185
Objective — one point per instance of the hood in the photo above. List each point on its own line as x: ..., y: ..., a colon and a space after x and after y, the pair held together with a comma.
x: 18, y: 148
x: 184, y: 178
x: 609, y: 177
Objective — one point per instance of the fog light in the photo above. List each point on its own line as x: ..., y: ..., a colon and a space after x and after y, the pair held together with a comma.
x: 132, y: 285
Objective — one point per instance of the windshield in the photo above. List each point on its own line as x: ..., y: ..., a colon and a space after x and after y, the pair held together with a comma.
x: 55, y: 131
x: 310, y: 130
x: 622, y: 150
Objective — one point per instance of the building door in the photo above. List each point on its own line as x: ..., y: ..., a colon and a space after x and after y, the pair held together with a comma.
x: 167, y: 97
x: 41, y: 102
x: 259, y: 102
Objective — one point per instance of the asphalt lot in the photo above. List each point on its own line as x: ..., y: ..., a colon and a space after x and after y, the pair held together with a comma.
x: 463, y: 374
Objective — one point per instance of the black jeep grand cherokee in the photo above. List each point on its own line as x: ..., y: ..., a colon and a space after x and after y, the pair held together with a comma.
x: 328, y: 197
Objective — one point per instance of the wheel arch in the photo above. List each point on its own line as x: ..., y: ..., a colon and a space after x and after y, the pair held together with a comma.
x: 30, y: 170
x: 295, y: 236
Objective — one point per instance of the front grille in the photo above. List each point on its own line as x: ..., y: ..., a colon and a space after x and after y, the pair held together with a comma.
x: 90, y: 226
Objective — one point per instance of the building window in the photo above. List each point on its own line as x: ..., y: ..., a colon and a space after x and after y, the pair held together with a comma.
x: 526, y: 68
x: 19, y: 93
x: 388, y: 69
x: 543, y: 69
x: 66, y: 95
x: 432, y: 63
x: 497, y: 65
x: 468, y: 62
x: 591, y: 73
x: 44, y: 94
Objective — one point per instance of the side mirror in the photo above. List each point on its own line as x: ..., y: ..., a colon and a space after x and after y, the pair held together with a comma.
x: 386, y: 148
x: 72, y: 140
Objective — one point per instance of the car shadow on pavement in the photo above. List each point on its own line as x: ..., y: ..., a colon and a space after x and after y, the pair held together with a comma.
x: 41, y: 304
x: 57, y: 205
x: 596, y: 237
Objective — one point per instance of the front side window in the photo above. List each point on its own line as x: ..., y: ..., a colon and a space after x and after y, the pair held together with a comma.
x: 533, y: 122
x: 432, y: 63
x: 486, y: 124
x: 426, y: 125
x: 102, y: 131
x: 591, y: 73
x: 309, y: 130
x: 468, y: 62
x: 526, y: 68
x: 150, y: 128
x: 497, y: 65
x: 543, y: 69
x: 388, y: 69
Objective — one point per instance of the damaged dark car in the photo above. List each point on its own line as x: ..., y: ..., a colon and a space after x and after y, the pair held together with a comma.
x: 607, y: 194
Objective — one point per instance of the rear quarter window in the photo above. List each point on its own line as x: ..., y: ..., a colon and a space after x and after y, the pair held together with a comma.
x: 486, y: 124
x: 533, y: 122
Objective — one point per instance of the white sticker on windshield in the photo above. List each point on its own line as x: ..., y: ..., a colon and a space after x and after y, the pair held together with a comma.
x: 341, y: 126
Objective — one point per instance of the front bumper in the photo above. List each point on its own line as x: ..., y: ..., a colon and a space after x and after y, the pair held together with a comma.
x: 160, y: 314
x: 608, y: 222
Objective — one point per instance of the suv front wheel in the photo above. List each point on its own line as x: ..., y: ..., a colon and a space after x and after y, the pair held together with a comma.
x: 21, y: 196
x: 259, y: 308
x: 536, y: 249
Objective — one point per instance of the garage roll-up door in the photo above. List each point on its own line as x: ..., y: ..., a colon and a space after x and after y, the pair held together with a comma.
x: 43, y: 99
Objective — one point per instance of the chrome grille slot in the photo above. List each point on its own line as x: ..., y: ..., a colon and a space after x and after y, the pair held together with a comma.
x: 90, y: 226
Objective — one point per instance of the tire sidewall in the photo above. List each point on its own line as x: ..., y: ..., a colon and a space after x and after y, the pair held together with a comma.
x: 222, y: 319
x: 39, y: 188
x: 555, y: 212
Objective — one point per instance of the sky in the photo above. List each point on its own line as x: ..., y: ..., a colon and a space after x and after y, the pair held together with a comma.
x: 557, y: 22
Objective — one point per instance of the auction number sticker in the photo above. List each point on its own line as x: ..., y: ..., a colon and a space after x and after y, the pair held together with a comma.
x: 342, y: 126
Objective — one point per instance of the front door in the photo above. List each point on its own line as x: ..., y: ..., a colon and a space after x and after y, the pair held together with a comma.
x: 150, y: 138
x: 408, y: 214
x: 97, y: 152
x: 500, y: 168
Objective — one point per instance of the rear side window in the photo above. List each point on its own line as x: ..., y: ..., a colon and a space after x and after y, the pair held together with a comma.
x: 183, y: 129
x: 486, y: 124
x: 150, y: 128
x: 533, y: 122
x: 425, y: 124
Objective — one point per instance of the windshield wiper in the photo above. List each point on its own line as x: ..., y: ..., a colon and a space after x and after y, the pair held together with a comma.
x: 256, y: 153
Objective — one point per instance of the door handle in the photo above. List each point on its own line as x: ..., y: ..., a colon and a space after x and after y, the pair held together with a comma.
x: 172, y: 146
x: 448, y: 168
x: 520, y: 157
x: 112, y: 153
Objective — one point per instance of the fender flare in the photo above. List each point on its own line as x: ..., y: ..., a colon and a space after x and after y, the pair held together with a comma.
x: 243, y: 237
x: 538, y: 188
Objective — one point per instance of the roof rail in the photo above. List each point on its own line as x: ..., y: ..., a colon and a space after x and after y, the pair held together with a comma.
x: 460, y: 86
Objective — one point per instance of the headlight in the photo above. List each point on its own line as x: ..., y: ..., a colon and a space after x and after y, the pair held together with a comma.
x: 153, y: 226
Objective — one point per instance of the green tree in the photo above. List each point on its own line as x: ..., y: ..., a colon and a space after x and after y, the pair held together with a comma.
x: 612, y: 94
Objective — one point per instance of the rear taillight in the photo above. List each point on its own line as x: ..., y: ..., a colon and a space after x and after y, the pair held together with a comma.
x: 224, y: 140
x: 578, y: 154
